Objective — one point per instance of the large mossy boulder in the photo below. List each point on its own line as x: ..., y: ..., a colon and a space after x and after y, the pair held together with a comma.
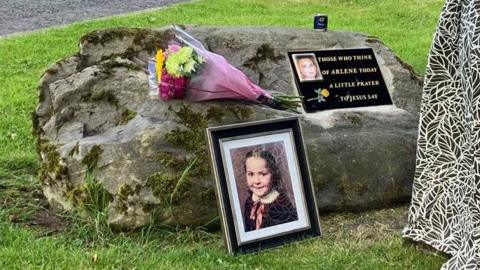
x: 95, y: 120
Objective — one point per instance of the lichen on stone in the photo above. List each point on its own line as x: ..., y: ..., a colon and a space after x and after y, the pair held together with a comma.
x: 319, y: 183
x: 75, y: 150
x: 153, y: 41
x: 355, y: 120
x: 266, y: 52
x: 107, y: 67
x: 100, y: 95
x: 163, y: 185
x: 126, y: 116
x: 241, y: 112
x: 91, y: 159
x: 352, y: 188
x: 145, y: 39
x: 104, y: 36
x: 51, y: 167
x: 129, y: 53
x: 122, y: 196
x: 208, y: 195
x: 169, y: 160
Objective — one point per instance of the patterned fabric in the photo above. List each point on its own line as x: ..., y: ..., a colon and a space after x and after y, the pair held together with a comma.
x: 445, y: 202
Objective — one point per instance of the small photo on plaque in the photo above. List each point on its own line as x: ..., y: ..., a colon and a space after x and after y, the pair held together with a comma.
x: 306, y: 67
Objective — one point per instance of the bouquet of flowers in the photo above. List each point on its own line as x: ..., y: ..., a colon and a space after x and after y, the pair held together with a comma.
x: 187, y: 70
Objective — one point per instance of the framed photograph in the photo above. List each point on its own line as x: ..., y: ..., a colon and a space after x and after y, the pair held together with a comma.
x: 306, y: 67
x: 263, y: 185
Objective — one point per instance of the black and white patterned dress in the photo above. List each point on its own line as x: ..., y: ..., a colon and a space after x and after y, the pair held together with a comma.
x: 446, y: 201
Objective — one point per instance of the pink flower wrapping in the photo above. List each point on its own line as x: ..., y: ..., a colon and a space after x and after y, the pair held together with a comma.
x: 205, y: 75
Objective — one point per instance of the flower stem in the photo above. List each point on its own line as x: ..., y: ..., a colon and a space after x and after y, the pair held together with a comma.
x: 286, y: 102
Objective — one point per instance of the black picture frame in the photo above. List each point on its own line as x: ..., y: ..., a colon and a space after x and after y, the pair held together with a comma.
x: 226, y: 144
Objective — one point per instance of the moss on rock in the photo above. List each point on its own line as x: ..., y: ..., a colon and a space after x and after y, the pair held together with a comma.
x: 91, y: 159
x: 107, y: 67
x: 192, y: 137
x: 126, y: 116
x: 51, y: 167
x: 103, y: 37
x: 241, y: 112
x: 354, y: 119
x: 266, y: 52
x: 75, y: 150
x: 162, y: 185
x: 98, y: 95
x: 124, y: 192
x: 169, y: 160
x: 183, y: 177
x: 319, y: 183
x: 352, y: 188
x: 144, y: 38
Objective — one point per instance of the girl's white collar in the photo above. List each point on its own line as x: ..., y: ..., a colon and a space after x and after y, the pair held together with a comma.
x: 267, y: 199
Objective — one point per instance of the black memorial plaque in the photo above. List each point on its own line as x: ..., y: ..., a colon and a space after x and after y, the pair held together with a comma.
x: 344, y: 78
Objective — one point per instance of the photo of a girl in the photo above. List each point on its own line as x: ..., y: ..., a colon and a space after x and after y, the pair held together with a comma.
x: 266, y: 204
x: 264, y: 185
x: 307, y: 67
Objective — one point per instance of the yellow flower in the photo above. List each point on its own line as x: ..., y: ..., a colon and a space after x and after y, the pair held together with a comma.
x: 159, y: 64
x: 325, y: 92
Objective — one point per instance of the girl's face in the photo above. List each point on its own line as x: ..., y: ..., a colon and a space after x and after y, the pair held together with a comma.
x: 259, y: 177
x: 307, y: 68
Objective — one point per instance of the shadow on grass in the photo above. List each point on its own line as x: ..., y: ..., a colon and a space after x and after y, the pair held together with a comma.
x: 16, y: 167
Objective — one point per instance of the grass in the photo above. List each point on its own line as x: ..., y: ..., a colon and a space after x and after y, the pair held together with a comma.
x: 351, y: 242
x: 406, y: 26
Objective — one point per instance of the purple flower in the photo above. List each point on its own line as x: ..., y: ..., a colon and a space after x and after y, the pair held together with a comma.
x: 172, y: 87
x: 174, y: 48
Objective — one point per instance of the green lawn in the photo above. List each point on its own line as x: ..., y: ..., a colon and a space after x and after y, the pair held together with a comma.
x: 406, y: 26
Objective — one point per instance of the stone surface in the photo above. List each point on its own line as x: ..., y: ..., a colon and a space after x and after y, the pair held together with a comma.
x: 96, y: 120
